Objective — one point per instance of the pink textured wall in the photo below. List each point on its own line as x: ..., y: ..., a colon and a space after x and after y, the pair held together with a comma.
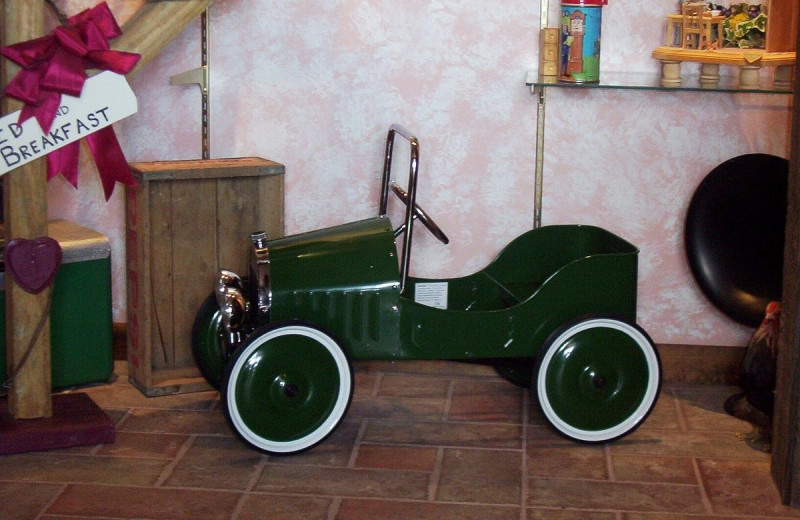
x: 315, y: 84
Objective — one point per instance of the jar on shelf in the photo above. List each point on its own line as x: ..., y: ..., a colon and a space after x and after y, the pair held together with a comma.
x: 579, y: 23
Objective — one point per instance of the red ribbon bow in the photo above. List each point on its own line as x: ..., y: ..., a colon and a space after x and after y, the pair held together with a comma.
x: 56, y: 64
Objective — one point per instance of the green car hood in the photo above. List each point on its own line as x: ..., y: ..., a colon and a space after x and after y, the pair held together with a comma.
x: 345, y: 278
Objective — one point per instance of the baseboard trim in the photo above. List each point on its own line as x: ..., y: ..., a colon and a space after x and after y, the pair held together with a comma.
x: 701, y: 364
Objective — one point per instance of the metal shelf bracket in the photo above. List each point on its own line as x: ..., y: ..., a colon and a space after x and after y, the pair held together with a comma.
x: 200, y: 76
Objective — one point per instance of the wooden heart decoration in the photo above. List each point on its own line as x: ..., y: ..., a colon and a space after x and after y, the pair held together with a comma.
x: 32, y: 264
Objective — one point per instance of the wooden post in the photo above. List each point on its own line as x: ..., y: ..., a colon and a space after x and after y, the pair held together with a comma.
x: 25, y: 216
x: 786, y: 417
x: 154, y: 25
x: 25, y: 189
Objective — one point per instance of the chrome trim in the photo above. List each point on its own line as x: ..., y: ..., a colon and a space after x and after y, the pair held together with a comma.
x: 233, y: 306
x: 420, y: 214
x: 405, y: 259
x: 259, y: 276
x: 226, y: 279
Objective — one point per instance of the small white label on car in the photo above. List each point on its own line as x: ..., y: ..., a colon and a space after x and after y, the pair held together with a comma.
x: 432, y: 294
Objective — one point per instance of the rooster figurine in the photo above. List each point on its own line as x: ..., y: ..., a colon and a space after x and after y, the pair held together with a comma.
x: 756, y: 403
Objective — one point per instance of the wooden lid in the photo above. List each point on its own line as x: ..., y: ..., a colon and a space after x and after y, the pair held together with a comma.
x: 205, y: 169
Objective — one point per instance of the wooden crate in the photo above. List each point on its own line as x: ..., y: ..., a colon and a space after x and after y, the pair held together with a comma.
x: 185, y: 221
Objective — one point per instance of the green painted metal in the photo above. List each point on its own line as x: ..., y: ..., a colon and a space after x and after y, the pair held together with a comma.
x: 597, y: 378
x: 287, y: 388
x: 208, y: 344
x: 515, y: 370
x: 544, y: 278
x: 81, y: 349
x: 345, y: 279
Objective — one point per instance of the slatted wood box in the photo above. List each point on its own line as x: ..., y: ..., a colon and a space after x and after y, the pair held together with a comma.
x: 185, y: 221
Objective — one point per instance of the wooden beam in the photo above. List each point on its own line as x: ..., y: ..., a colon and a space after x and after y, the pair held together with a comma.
x: 786, y: 421
x: 25, y: 216
x: 154, y: 25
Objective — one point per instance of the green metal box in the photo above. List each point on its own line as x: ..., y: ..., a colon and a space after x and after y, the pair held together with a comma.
x: 81, y: 349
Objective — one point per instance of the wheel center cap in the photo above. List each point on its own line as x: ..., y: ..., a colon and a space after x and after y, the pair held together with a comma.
x: 290, y: 390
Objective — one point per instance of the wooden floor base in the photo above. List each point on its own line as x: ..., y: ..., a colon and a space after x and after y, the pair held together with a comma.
x: 76, y: 421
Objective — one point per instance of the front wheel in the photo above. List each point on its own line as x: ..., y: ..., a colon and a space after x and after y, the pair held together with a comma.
x: 597, y: 379
x: 287, y: 388
x: 209, y: 347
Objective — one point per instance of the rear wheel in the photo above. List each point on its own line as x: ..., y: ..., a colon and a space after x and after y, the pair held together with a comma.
x: 287, y: 388
x: 516, y: 370
x: 597, y: 379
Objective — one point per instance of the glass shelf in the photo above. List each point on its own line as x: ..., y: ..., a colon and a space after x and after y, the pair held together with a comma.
x: 647, y: 81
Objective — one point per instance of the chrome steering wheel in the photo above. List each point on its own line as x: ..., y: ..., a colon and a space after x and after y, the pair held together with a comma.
x: 420, y: 214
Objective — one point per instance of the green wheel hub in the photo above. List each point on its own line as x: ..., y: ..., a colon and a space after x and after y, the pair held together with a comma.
x: 598, y: 379
x: 288, y: 389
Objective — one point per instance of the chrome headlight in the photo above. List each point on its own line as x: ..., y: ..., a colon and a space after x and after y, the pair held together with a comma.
x: 229, y: 293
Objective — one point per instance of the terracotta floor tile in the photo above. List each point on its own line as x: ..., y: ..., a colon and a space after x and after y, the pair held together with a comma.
x: 397, y: 408
x: 545, y: 435
x: 282, y: 507
x: 324, y: 481
x: 668, y: 516
x: 396, y: 457
x: 422, y: 440
x: 184, y: 422
x: 555, y: 514
x: 144, y: 445
x: 401, y: 385
x: 25, y: 500
x: 115, y: 414
x: 535, y: 415
x: 335, y: 450
x: 58, y: 467
x: 648, y: 468
x: 142, y: 502
x: 430, y: 367
x: 365, y: 382
x: 70, y: 517
x: 565, y: 459
x: 703, y: 409
x: 686, y: 444
x: 624, y: 496
x: 488, y: 401
x: 664, y: 415
x: 742, y: 487
x: 480, y: 476
x: 216, y: 463
x: 487, y: 435
x: 353, y: 509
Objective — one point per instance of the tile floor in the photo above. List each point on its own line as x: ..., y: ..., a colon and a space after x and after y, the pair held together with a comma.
x: 432, y: 440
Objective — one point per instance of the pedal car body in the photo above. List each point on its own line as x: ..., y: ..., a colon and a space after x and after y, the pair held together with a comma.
x: 559, y: 302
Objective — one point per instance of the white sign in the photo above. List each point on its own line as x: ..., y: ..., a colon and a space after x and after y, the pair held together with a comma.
x: 432, y: 294
x: 106, y: 98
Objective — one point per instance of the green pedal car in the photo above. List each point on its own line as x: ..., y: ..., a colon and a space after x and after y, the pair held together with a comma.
x: 556, y: 310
